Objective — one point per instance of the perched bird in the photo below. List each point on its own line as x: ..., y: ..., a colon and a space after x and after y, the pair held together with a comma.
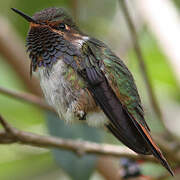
x: 82, y: 79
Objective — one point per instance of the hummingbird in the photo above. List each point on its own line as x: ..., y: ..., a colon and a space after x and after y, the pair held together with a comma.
x: 83, y: 80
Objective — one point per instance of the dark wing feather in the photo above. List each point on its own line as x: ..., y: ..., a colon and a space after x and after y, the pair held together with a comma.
x: 120, y: 124
x: 120, y: 78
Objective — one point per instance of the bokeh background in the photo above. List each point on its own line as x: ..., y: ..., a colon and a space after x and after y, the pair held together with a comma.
x: 104, y: 20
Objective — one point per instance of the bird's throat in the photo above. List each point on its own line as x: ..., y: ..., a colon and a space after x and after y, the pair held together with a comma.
x: 45, y: 47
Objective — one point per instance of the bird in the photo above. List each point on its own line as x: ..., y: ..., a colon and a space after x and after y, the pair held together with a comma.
x: 84, y: 81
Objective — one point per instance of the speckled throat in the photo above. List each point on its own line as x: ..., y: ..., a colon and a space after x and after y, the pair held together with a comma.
x: 45, y: 47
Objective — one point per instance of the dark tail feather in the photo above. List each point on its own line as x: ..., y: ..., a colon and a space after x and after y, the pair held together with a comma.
x: 123, y: 125
x: 152, y: 146
x: 124, y: 139
x: 154, y: 149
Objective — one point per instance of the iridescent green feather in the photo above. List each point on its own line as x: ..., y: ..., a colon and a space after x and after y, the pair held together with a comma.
x: 122, y: 77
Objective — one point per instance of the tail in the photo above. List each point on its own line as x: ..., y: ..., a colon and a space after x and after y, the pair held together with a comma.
x: 155, y: 149
x: 124, y: 126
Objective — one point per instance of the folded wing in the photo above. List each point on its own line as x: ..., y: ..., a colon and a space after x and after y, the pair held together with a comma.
x: 113, y: 88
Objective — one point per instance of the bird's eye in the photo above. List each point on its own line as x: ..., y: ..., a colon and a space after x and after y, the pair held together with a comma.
x: 61, y: 26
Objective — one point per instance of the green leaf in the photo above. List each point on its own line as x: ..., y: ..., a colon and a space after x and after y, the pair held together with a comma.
x: 79, y: 168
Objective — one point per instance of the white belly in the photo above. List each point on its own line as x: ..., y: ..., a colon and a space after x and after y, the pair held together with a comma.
x: 62, y: 97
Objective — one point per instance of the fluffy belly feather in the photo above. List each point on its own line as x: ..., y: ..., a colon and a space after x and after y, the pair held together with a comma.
x: 63, y: 97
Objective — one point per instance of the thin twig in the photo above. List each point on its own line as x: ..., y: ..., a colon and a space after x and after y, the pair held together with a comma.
x: 168, y: 39
x: 7, y: 127
x: 13, y: 135
x: 27, y: 97
x: 74, y: 6
x: 142, y: 65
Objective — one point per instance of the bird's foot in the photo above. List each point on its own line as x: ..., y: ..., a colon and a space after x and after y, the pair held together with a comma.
x: 81, y: 115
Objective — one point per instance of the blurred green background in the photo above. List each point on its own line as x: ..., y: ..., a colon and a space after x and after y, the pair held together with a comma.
x: 99, y: 19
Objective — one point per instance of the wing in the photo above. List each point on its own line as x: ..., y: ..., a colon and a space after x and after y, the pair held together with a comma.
x: 113, y: 88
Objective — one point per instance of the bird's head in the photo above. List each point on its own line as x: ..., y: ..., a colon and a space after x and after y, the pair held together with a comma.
x: 52, y: 33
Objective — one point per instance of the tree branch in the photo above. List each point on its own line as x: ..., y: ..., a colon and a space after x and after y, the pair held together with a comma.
x: 170, y: 150
x: 12, y: 135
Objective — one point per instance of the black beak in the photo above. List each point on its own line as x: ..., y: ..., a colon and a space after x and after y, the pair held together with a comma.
x: 28, y: 18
